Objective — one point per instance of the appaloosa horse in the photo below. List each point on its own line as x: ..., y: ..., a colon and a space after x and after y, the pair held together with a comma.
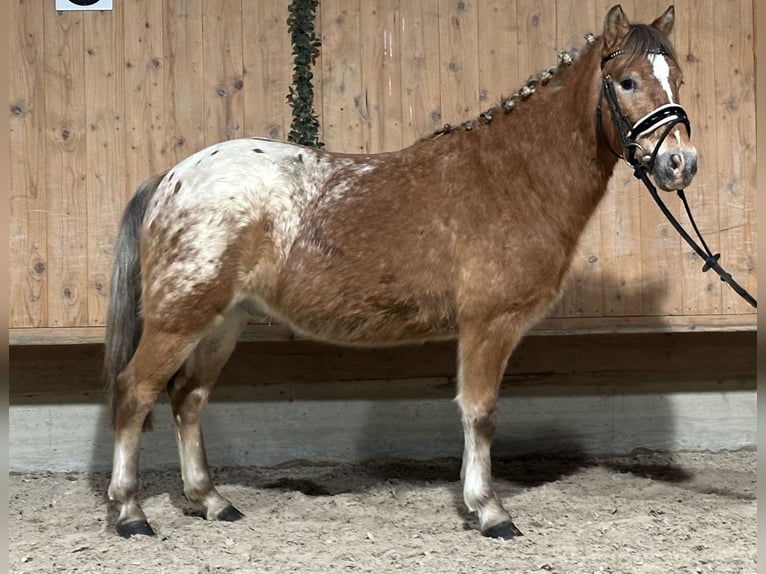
x: 465, y: 234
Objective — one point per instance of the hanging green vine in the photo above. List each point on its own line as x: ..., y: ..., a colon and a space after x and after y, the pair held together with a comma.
x: 305, y: 124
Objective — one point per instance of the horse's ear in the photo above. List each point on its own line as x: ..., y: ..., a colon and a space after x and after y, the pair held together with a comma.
x: 616, y: 27
x: 665, y: 22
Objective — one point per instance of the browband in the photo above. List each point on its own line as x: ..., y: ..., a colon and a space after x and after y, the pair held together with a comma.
x: 620, y: 51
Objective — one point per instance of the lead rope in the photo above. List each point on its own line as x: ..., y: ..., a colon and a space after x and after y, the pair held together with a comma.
x: 711, y: 261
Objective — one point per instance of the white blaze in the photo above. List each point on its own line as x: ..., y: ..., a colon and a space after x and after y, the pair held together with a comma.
x: 662, y: 73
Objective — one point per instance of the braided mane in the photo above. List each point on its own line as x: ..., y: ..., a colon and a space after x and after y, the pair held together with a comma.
x: 508, y: 104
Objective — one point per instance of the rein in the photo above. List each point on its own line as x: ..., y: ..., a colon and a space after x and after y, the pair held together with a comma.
x: 666, y: 115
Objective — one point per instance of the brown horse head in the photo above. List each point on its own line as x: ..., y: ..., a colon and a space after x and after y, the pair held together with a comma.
x: 641, y: 82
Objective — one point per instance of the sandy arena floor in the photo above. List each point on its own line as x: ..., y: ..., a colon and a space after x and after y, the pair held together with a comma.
x: 689, y: 513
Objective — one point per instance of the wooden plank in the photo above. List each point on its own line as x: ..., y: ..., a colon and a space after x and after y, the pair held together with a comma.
x: 735, y: 113
x: 223, y: 70
x: 144, y: 92
x: 498, y: 51
x: 575, y: 19
x: 380, y: 25
x: 28, y: 257
x: 646, y: 324
x: 184, y: 126
x: 550, y: 360
x: 105, y: 147
x: 537, y: 37
x: 458, y: 53
x: 65, y: 160
x: 695, y: 26
x: 266, y: 331
x: 268, y: 63
x: 584, y: 294
x: 421, y: 99
x: 343, y: 103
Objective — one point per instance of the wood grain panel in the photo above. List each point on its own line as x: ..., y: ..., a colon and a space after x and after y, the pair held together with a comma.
x: 28, y: 232
x: 560, y: 361
x: 459, y: 65
x: 421, y: 101
x: 344, y: 108
x: 538, y: 44
x: 223, y: 70
x: 381, y: 27
x: 268, y: 66
x: 498, y: 33
x: 184, y: 125
x: 105, y: 148
x: 145, y: 99
x: 65, y: 173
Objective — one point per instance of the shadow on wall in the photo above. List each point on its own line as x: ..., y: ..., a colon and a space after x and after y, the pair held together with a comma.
x: 578, y: 407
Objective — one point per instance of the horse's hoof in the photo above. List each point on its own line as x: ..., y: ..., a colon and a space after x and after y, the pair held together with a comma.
x: 136, y: 527
x: 504, y: 531
x: 230, y: 514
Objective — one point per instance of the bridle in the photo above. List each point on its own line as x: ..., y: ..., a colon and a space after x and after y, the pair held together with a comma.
x: 668, y: 115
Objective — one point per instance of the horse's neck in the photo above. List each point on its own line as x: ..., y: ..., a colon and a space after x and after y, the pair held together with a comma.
x: 570, y: 163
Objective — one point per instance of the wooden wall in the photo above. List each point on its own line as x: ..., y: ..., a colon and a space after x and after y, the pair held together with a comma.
x: 101, y: 100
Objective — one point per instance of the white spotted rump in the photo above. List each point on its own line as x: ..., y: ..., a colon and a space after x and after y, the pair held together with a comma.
x: 206, y: 201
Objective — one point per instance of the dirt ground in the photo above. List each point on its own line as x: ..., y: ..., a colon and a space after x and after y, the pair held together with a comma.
x: 692, y: 512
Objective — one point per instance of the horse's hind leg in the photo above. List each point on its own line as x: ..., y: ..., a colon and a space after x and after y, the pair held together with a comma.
x: 484, y: 348
x: 158, y: 356
x: 188, y: 396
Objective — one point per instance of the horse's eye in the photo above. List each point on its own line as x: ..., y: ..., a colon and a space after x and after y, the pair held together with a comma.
x: 628, y: 84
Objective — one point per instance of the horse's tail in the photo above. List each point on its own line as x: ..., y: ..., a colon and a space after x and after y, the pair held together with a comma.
x: 123, y: 317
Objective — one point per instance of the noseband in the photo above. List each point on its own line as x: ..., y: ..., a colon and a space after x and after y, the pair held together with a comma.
x: 666, y: 115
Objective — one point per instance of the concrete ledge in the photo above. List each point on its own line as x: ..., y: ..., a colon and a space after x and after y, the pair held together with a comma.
x: 588, y: 420
x: 280, y: 402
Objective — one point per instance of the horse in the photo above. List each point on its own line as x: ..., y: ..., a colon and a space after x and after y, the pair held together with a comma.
x: 467, y: 234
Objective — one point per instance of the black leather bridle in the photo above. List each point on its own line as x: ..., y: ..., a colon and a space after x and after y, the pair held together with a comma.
x: 667, y: 115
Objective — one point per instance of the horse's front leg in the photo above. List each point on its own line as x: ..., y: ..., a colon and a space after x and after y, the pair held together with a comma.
x: 484, y: 348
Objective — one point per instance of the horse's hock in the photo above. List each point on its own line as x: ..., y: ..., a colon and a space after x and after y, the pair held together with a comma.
x: 639, y: 340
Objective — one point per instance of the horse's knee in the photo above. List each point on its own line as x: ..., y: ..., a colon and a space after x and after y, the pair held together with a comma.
x: 479, y: 415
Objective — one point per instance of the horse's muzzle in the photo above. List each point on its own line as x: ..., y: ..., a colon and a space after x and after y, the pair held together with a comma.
x: 674, y: 169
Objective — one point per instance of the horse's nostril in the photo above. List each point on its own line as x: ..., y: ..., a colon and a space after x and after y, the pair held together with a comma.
x: 676, y: 161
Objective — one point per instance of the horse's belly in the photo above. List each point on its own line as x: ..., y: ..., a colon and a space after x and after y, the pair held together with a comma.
x: 361, y: 304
